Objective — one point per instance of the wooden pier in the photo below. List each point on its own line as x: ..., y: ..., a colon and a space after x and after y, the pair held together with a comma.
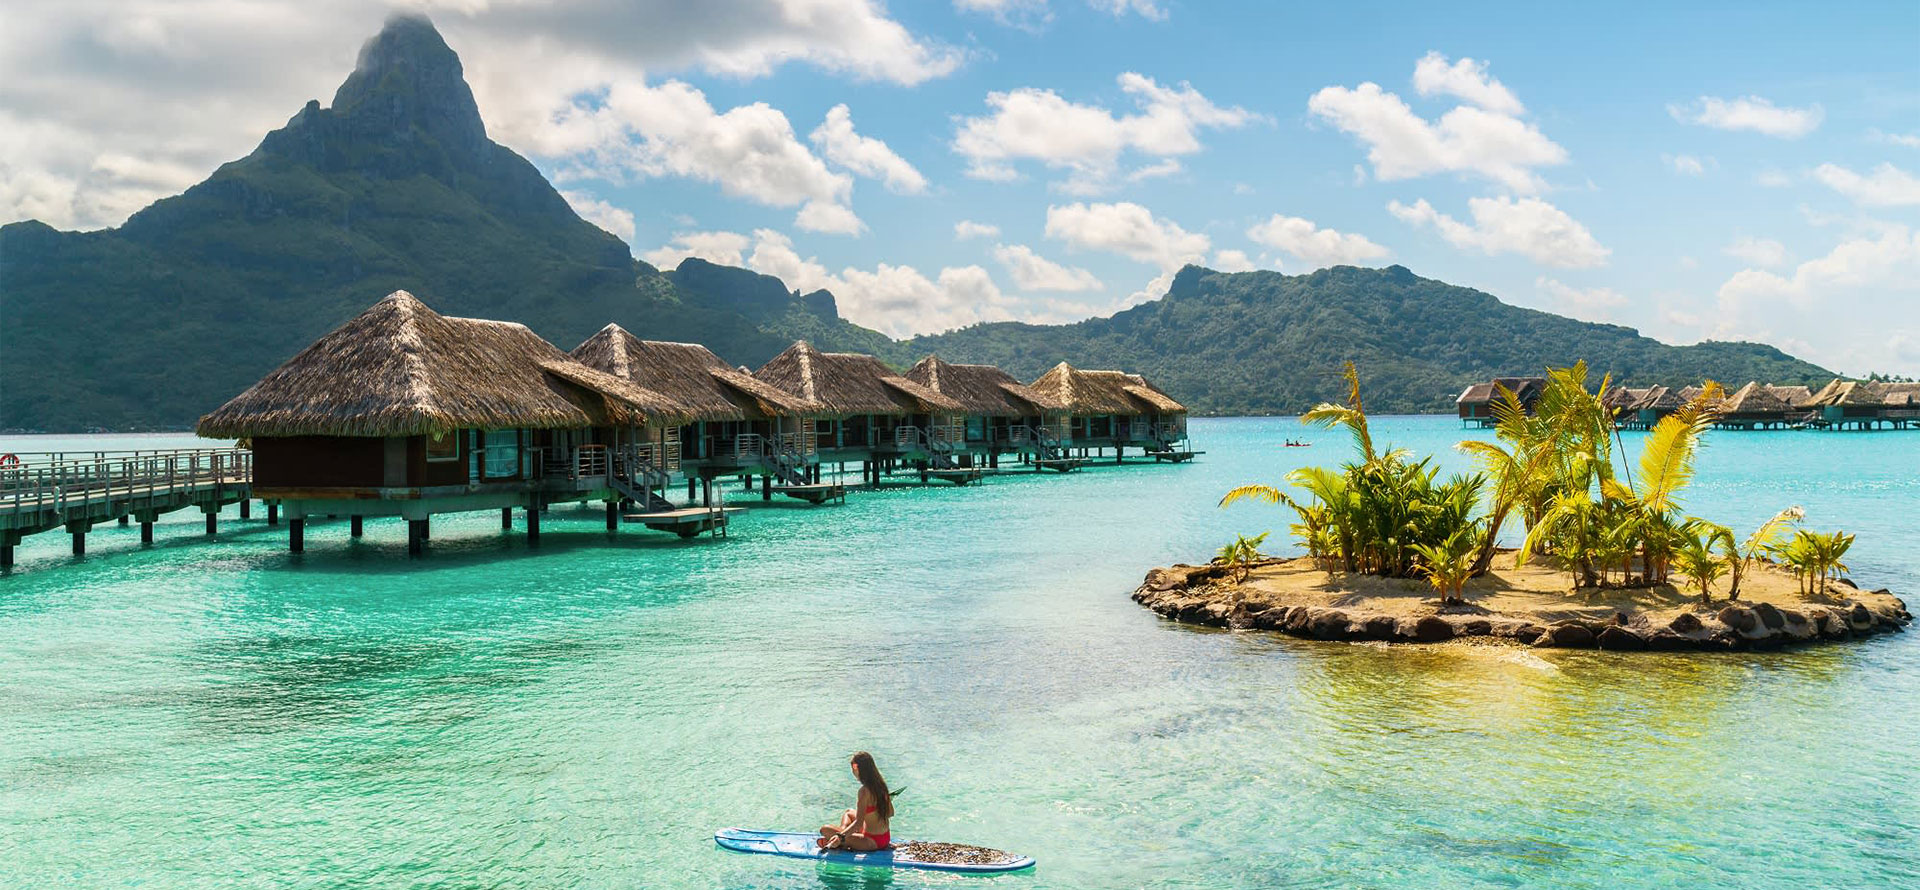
x: 75, y: 491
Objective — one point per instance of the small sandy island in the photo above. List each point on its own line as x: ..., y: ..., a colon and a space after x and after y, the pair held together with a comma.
x: 1531, y: 605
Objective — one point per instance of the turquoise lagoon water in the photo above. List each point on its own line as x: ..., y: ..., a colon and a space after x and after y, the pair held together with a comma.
x: 221, y: 713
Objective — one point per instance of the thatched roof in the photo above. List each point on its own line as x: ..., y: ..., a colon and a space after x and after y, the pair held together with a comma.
x: 1657, y: 398
x: 1156, y: 399
x: 981, y: 389
x: 690, y: 374
x: 1622, y: 398
x: 1854, y: 393
x: 847, y: 383
x: 402, y: 369
x: 1794, y: 396
x: 1527, y: 389
x: 1753, y: 399
x: 1103, y: 392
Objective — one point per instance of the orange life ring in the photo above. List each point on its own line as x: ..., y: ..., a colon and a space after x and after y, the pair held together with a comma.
x: 9, y: 460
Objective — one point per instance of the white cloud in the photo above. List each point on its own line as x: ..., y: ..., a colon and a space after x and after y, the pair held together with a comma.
x: 1886, y: 186
x: 1909, y: 140
x: 1466, y: 79
x: 1763, y: 252
x: 1595, y: 303
x: 182, y: 87
x: 1890, y: 261
x: 1167, y: 167
x: 1319, y: 247
x: 602, y: 214
x: 864, y: 155
x: 1870, y: 279
x: 1469, y: 139
x: 967, y: 230
x: 1529, y: 226
x: 1127, y: 229
x: 1749, y: 113
x: 1087, y: 141
x: 1032, y: 271
x: 671, y: 130
x: 724, y: 248
x: 1241, y: 188
x: 1233, y: 261
x: 1685, y: 165
x: 1148, y: 9
x: 1773, y: 179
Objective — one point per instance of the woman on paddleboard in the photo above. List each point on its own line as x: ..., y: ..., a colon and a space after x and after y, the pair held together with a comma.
x: 865, y: 827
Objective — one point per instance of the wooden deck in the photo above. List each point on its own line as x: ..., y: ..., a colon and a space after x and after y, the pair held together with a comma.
x: 1174, y: 457
x: 1059, y: 464
x: 686, y: 521
x: 958, y: 476
x: 815, y: 492
x: 78, y: 490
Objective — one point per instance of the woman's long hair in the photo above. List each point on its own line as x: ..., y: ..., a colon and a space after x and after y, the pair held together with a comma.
x: 876, y: 785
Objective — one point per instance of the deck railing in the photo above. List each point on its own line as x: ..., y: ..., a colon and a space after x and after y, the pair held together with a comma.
x: 908, y: 436
x: 70, y: 480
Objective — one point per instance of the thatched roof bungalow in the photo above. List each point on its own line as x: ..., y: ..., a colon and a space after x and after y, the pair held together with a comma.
x: 735, y: 419
x: 1753, y: 406
x: 402, y: 410
x: 1113, y: 407
x: 1475, y: 403
x: 865, y: 406
x: 1001, y: 412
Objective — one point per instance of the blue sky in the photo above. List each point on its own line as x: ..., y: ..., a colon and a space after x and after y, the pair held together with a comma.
x: 1714, y: 171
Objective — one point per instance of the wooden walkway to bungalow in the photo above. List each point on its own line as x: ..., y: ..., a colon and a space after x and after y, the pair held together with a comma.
x: 77, y: 490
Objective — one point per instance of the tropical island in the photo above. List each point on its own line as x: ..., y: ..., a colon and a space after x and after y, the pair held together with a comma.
x: 1607, y: 558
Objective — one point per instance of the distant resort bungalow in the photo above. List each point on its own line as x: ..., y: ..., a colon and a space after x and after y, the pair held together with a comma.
x: 870, y: 415
x: 1475, y: 403
x: 737, y: 426
x: 1114, y: 409
x: 1002, y: 415
x: 405, y: 412
x: 1841, y: 404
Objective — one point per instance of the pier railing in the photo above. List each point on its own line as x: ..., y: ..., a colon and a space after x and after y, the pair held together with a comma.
x: 73, y: 481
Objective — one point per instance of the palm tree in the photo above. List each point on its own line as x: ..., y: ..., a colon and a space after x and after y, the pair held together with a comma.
x: 1697, y: 560
x: 1448, y: 564
x: 1241, y: 553
x: 1517, y: 472
x: 1666, y: 466
x: 1763, y: 538
x: 1352, y: 415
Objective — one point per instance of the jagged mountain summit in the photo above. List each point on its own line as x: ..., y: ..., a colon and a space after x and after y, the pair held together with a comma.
x: 396, y: 186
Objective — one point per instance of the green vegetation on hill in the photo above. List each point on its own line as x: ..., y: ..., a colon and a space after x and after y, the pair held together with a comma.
x: 1267, y: 343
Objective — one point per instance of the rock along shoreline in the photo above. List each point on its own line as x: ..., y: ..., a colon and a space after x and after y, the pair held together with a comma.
x: 1205, y: 595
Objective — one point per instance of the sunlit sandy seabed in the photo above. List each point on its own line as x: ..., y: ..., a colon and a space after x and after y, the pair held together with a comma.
x: 218, y: 712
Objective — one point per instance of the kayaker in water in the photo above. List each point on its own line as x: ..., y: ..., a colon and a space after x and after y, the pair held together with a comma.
x: 865, y: 827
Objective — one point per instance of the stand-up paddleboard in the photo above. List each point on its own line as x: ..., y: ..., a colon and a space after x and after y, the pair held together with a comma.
x: 803, y: 845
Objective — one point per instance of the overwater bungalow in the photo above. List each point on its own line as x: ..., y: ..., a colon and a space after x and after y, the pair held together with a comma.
x: 1649, y: 406
x: 738, y: 426
x: 1475, y: 403
x: 1114, y: 409
x: 1754, y: 407
x: 405, y: 412
x: 871, y: 415
x: 1864, y: 404
x: 1002, y: 415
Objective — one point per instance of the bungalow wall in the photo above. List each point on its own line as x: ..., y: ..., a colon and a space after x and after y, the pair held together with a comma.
x: 456, y: 458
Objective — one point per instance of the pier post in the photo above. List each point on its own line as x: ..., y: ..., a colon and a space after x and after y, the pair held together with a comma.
x: 213, y: 522
x: 355, y: 526
x: 689, y: 488
x: 506, y: 519
x: 246, y: 508
x: 533, y: 523
x: 273, y: 512
x: 146, y: 531
x: 80, y: 542
x: 706, y: 492
x: 123, y: 519
x: 6, y: 556
x: 296, y: 534
x: 1118, y: 450
x: 766, y: 488
x: 416, y: 539
x: 613, y: 510
x: 747, y: 480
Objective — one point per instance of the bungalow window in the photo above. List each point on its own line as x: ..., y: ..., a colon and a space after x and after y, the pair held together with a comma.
x: 503, y: 454
x: 443, y: 446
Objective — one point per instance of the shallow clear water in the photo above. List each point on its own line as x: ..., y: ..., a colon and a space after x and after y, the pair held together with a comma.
x: 219, y: 712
